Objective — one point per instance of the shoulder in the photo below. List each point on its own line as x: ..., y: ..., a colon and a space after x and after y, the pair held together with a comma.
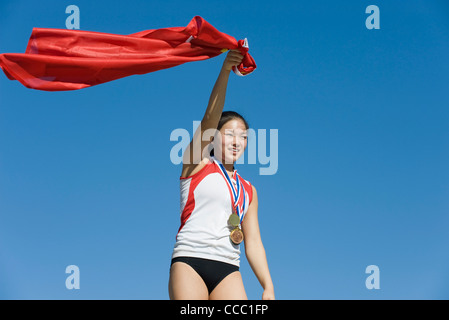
x: 254, y: 193
x: 254, y: 189
x: 190, y: 170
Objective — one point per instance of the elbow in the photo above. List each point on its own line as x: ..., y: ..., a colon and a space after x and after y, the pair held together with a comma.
x: 253, y: 246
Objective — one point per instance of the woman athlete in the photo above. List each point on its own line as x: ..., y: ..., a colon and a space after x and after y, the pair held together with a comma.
x: 205, y: 260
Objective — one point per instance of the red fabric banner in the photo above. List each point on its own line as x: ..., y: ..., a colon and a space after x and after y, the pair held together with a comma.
x: 59, y: 59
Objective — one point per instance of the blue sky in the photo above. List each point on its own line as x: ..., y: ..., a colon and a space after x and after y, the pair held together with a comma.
x: 363, y: 127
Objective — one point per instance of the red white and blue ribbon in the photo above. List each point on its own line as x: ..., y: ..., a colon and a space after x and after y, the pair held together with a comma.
x: 237, y: 192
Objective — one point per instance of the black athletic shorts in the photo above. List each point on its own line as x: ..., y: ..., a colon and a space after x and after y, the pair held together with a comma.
x: 211, y: 271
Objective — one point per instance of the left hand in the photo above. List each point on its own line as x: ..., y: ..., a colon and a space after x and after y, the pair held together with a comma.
x: 268, y: 294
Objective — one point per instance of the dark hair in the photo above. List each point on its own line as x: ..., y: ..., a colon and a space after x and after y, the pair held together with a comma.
x: 228, y: 116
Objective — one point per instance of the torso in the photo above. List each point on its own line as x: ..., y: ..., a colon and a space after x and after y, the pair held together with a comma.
x: 206, y: 205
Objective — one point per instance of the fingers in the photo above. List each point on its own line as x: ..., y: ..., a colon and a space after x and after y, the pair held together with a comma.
x: 234, y: 57
x: 235, y: 53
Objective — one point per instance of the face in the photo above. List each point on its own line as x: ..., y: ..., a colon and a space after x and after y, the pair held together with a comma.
x: 232, y: 141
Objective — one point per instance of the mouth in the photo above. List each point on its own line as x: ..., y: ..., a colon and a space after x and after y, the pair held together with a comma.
x: 234, y: 150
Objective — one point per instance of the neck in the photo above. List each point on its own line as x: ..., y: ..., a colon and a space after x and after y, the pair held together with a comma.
x: 228, y: 166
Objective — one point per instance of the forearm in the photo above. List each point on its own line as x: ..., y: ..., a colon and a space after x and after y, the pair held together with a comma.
x: 255, y: 253
x: 216, y: 100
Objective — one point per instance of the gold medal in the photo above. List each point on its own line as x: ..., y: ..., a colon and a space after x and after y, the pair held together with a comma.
x: 234, y: 220
x: 236, y: 235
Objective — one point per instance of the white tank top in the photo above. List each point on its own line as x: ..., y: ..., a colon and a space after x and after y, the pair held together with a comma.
x: 206, y: 205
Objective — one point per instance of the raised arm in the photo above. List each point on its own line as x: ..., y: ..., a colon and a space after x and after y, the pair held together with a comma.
x: 193, y: 154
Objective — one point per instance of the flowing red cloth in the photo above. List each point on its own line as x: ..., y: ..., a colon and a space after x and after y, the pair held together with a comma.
x: 59, y: 59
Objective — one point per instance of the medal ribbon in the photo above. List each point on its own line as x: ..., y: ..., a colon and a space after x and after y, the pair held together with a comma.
x: 237, y: 194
